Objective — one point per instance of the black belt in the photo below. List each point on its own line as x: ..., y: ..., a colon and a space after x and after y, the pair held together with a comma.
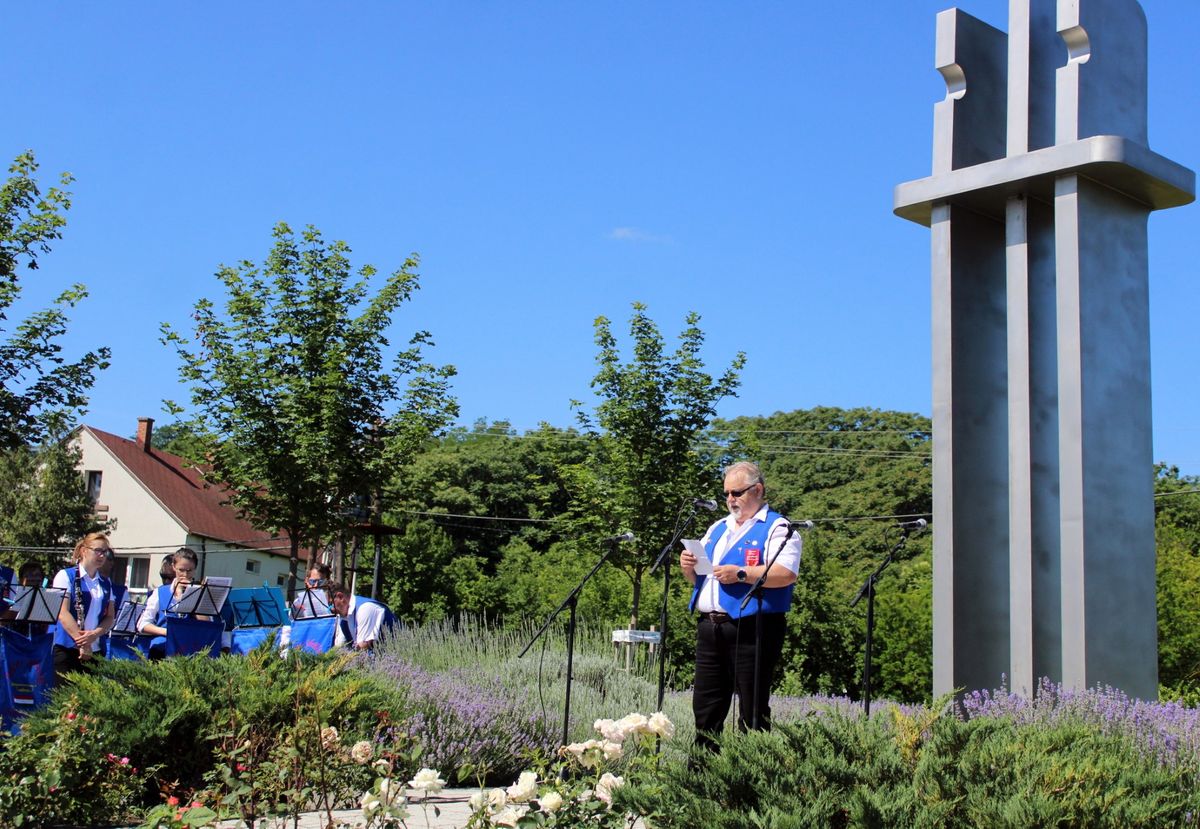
x: 716, y: 617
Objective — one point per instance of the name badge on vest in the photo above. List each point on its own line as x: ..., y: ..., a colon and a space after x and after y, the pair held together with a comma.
x: 753, y: 555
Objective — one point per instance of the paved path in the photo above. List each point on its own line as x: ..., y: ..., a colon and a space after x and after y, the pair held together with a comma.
x: 453, y: 813
x: 451, y: 804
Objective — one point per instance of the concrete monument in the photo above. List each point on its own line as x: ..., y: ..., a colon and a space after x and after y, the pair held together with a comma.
x: 1042, y: 185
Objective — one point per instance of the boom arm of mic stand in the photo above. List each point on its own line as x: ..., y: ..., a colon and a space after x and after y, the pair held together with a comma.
x: 571, y: 597
x: 874, y: 577
x: 658, y: 562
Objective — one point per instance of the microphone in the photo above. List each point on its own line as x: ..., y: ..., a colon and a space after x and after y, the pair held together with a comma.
x: 618, y: 539
x: 801, y: 525
x: 917, y: 525
x: 707, y: 503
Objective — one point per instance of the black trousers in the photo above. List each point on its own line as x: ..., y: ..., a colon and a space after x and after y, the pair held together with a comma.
x: 67, y: 660
x: 725, y: 664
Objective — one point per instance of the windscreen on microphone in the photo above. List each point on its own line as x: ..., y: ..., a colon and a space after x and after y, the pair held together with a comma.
x: 705, y: 503
x: 617, y: 539
x: 917, y: 525
x: 801, y: 525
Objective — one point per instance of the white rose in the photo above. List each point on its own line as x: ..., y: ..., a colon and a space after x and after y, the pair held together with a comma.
x: 329, y: 737
x: 660, y: 725
x: 550, y: 802
x: 633, y: 724
x: 524, y: 789
x: 510, y: 816
x: 362, y: 752
x: 478, y: 801
x: 608, y: 783
x: 428, y: 781
x: 497, y: 799
x: 611, y: 751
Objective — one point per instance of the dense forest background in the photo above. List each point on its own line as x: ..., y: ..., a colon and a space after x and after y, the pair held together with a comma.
x: 485, y: 528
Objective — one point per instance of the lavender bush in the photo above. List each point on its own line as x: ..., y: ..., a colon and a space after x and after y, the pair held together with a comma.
x: 1168, y: 732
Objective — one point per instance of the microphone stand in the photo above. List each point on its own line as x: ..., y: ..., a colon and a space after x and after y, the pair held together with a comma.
x: 868, y: 590
x: 756, y: 593
x: 570, y: 602
x: 680, y: 529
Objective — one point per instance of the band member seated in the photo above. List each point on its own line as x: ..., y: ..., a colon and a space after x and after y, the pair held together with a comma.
x: 362, y: 619
x: 316, y: 581
x: 154, y: 617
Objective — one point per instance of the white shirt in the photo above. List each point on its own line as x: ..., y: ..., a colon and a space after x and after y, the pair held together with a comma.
x: 92, y: 585
x: 789, y: 558
x: 363, y: 620
x: 150, y: 611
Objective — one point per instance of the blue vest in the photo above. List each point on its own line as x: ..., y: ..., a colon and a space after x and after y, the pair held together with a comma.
x: 166, y: 594
x: 389, y: 618
x: 61, y: 637
x: 729, y: 596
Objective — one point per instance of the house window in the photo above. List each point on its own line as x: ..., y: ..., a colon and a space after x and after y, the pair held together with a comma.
x: 93, y: 485
x: 282, y: 579
x: 253, y: 566
x: 120, y: 570
x: 139, y: 573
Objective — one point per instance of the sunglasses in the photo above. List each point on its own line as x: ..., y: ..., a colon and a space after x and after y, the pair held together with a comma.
x: 738, y: 493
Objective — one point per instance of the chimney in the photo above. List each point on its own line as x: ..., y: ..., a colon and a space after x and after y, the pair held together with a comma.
x: 145, y: 432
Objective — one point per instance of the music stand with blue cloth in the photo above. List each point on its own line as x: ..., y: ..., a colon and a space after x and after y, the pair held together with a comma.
x: 187, y: 634
x: 124, y: 641
x: 28, y: 673
x: 258, y: 613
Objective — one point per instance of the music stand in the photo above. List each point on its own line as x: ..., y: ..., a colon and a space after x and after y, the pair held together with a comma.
x: 128, y: 616
x: 37, y: 604
x: 205, y: 599
x: 314, y: 607
x: 257, y: 607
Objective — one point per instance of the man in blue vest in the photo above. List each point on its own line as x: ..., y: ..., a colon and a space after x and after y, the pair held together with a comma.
x: 360, y: 620
x: 739, y: 547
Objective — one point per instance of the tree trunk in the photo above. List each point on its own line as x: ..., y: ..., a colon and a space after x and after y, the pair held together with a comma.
x: 293, y: 564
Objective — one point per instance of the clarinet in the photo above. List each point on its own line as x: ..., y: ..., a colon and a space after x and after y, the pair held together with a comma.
x: 85, y: 652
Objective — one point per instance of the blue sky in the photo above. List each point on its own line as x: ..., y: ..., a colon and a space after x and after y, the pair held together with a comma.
x: 550, y: 162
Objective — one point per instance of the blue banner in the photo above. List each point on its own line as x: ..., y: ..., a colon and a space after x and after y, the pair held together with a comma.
x: 186, y: 636
x: 28, y: 672
x: 313, y: 635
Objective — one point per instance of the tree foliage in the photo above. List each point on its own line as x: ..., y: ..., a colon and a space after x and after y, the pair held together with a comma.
x: 472, y: 499
x: 41, y: 391
x: 301, y: 415
x: 44, y: 501
x: 852, y: 471
x: 646, y: 457
x: 1177, y: 530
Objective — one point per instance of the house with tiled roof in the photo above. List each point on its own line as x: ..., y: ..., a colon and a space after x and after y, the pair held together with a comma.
x: 160, y: 504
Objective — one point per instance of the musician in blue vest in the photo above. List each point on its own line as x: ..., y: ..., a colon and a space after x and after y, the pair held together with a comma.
x: 361, y: 620
x: 87, y: 613
x: 739, y: 547
x: 153, y: 621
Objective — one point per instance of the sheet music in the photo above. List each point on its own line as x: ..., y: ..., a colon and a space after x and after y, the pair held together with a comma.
x: 38, y: 604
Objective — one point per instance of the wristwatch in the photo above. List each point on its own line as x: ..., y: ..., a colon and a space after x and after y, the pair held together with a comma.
x: 741, y: 574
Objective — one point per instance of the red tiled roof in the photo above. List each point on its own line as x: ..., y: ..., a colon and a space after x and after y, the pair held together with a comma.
x: 182, y: 492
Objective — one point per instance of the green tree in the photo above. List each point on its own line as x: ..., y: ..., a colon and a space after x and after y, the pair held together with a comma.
x: 43, y: 500
x: 1177, y: 534
x: 41, y: 391
x: 843, y: 468
x: 476, y: 492
x: 300, y: 416
x: 645, y: 457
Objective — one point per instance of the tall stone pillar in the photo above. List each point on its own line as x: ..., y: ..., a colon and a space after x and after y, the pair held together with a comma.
x: 1038, y: 203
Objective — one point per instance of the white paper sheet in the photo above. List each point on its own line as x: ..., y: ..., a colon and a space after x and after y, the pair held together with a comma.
x: 703, y: 565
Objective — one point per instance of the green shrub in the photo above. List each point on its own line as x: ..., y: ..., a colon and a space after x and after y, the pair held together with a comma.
x: 898, y: 770
x: 249, y: 725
